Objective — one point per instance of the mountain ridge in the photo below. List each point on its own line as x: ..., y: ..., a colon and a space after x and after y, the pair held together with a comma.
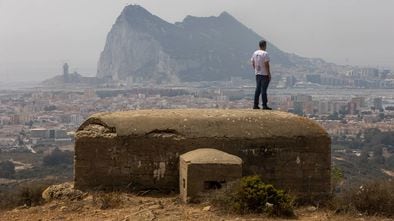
x: 143, y: 47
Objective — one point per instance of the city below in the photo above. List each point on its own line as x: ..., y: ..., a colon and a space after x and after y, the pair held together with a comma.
x: 38, y: 119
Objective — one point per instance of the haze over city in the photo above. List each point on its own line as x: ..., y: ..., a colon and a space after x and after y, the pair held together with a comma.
x: 131, y: 110
x: 37, y: 37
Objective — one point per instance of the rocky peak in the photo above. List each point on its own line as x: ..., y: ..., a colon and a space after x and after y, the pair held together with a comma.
x: 143, y: 47
x: 135, y: 11
x: 223, y: 18
x: 226, y: 16
x: 137, y: 16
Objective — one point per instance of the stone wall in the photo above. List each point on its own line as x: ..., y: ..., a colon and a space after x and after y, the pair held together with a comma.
x: 141, y: 149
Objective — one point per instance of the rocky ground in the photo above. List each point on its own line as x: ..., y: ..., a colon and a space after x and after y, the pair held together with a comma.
x: 127, y: 207
x: 63, y: 202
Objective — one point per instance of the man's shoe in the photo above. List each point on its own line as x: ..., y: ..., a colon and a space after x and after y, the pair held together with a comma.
x: 267, y: 108
x: 256, y: 107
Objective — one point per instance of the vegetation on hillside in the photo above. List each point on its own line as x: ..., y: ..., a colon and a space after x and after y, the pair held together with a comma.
x: 251, y: 195
x: 373, y: 198
x: 366, y: 157
x: 7, y: 169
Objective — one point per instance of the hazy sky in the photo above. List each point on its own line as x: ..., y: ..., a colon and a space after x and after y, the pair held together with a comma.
x: 38, y: 36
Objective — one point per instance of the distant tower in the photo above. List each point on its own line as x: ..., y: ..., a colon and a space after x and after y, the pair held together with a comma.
x: 65, y: 69
x: 65, y: 72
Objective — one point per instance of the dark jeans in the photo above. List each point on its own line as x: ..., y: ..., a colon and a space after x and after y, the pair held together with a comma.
x: 262, y: 83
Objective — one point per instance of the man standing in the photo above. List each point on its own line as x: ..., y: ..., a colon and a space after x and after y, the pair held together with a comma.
x: 260, y: 61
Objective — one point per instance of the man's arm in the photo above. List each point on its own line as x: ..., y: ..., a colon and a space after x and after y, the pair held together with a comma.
x: 267, y: 69
x: 253, y: 64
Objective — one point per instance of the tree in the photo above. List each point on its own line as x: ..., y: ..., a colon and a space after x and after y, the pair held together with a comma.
x: 7, y: 169
x: 370, y: 133
x: 390, y: 108
x: 58, y: 157
x: 333, y: 116
x: 50, y: 108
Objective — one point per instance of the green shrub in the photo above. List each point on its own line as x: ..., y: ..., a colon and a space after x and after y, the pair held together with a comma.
x: 58, y: 157
x: 31, y: 195
x: 336, y: 178
x: 251, y: 195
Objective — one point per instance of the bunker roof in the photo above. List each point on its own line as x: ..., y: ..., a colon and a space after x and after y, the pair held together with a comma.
x: 210, y: 156
x: 197, y: 123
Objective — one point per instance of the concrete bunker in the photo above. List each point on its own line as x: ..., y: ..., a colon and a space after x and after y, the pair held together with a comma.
x: 141, y: 149
x: 206, y: 169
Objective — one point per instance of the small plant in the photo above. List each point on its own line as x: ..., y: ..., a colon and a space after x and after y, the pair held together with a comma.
x: 336, y: 178
x: 107, y: 200
x: 251, y: 195
x: 31, y: 195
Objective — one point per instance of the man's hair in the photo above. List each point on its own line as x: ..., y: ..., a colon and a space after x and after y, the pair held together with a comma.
x: 262, y: 44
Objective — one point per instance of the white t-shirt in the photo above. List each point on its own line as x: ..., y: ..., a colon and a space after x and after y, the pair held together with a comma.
x: 260, y: 57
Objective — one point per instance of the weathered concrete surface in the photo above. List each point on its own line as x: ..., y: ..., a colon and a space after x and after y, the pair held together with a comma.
x: 205, y: 169
x: 141, y: 149
x: 209, y: 156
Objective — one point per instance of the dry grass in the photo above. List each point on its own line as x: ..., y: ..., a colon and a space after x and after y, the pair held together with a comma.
x: 137, y: 208
x: 110, y: 200
x: 373, y: 199
x: 28, y: 195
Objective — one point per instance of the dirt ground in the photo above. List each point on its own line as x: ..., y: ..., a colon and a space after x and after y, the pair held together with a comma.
x: 135, y: 208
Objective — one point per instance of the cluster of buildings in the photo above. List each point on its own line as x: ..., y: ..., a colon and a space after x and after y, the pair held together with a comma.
x: 306, y: 105
x: 346, y: 77
x: 355, y: 78
x: 36, y: 118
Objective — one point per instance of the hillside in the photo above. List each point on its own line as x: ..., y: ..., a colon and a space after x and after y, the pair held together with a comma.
x: 137, y: 208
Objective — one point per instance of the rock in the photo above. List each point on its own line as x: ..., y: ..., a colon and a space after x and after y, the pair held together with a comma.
x: 207, y: 208
x: 63, y: 191
x: 52, y: 207
x: 63, y: 208
x: 156, y: 206
x: 126, y: 218
x: 311, y: 208
x: 22, y: 207
x: 269, y: 205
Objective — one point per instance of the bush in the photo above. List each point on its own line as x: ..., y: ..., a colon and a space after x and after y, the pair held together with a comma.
x: 375, y: 198
x: 336, y: 178
x: 251, y: 195
x: 58, y: 157
x: 7, y: 169
x: 31, y: 195
x: 27, y: 193
x: 8, y: 199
